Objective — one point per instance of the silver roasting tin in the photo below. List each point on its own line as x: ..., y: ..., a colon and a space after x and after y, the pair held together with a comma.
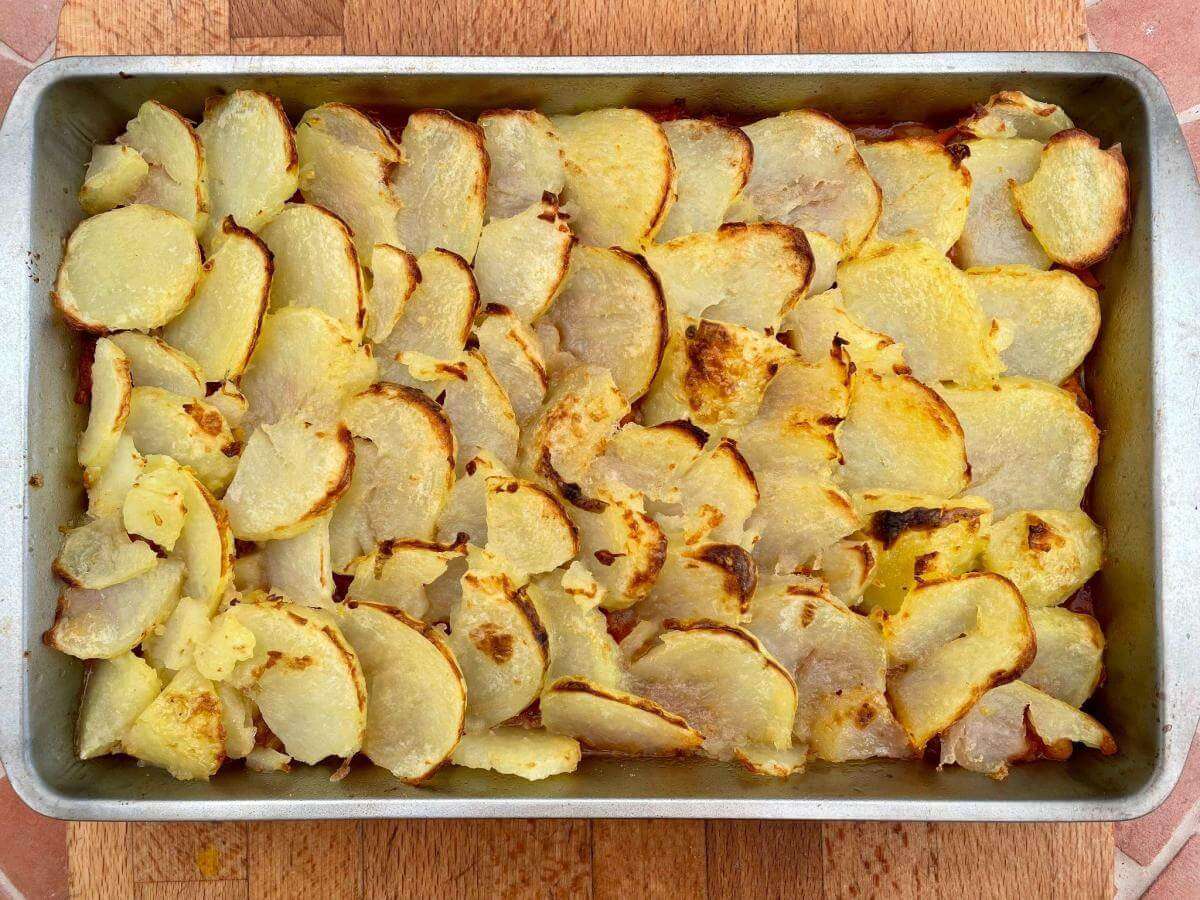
x: 1142, y: 375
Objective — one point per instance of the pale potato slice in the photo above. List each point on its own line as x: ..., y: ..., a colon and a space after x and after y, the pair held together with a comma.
x: 1077, y: 203
x: 177, y: 180
x: 612, y: 721
x: 611, y: 313
x: 134, y: 267
x: 250, y: 154
x: 301, y: 567
x: 748, y: 275
x: 154, y: 508
x: 479, y: 410
x: 578, y: 641
x: 266, y: 759
x: 526, y: 160
x: 1016, y: 723
x: 114, y: 175
x: 172, y: 646
x: 290, y: 474
x: 110, y: 403
x: 399, y: 571
x: 226, y: 643
x: 826, y: 255
x: 205, y: 545
x: 1012, y: 114
x: 622, y: 547
x: 100, y: 554
x: 108, y: 486
x: 440, y: 183
x: 797, y: 517
x: 180, y: 731
x: 994, y: 233
x: 620, y: 179
x: 722, y: 682
x: 115, y: 692
x: 1070, y: 655
x: 316, y: 264
x: 418, y: 696
x: 847, y: 568
x: 230, y: 402
x: 707, y: 581
x: 716, y: 496
x: 352, y: 126
x: 808, y: 173
x: 465, y: 510
x: 771, y: 762
x: 305, y: 678
x: 522, y: 261
x: 188, y: 430
x: 394, y: 275
x: 1053, y: 318
x: 220, y: 327
x: 712, y: 165
x: 526, y: 753
x: 915, y: 295
x: 926, y: 190
x: 106, y: 623
x: 1048, y: 554
x: 900, y: 435
x: 649, y: 461
x: 1029, y: 443
x: 527, y: 526
x: 514, y: 355
x: 155, y: 363
x: 819, y: 322
x: 305, y: 366
x: 953, y: 641
x: 237, y: 721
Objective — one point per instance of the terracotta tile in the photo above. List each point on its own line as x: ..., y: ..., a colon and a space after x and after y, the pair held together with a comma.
x: 33, y: 849
x: 11, y: 73
x: 1142, y: 838
x: 28, y: 26
x: 1161, y: 33
x: 1181, y: 879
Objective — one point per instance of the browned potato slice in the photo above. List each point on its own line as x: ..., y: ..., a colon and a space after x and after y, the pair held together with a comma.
x: 226, y: 642
x: 527, y: 527
x: 994, y: 233
x: 622, y: 547
x: 797, y: 517
x: 613, y: 721
x: 926, y: 191
x: 115, y: 692
x: 770, y: 762
x: 180, y: 731
x: 1070, y: 653
x: 154, y: 507
x: 352, y: 126
x: 100, y: 554
x: 205, y: 545
x: 465, y: 510
x: 620, y: 179
x: 394, y: 275
x: 847, y: 568
x: 177, y: 180
x: 230, y: 402
x: 134, y: 267
x: 398, y: 572
x: 716, y: 496
x: 115, y: 174
x: 522, y: 261
x: 172, y: 645
x: 531, y: 754
x: 1077, y: 203
x: 1011, y: 114
x: 912, y: 293
x: 300, y: 567
x: 712, y: 165
x: 514, y: 355
x: 707, y: 581
x: 649, y: 461
x: 747, y: 275
x: 155, y: 363
x: 818, y: 322
x: 1048, y: 554
x: 1030, y: 445
x: 526, y: 159
x: 190, y: 431
x: 577, y: 635
x: 953, y: 641
x: 109, y: 412
x: 479, y: 410
x: 237, y: 721
x: 808, y: 173
x: 107, y: 487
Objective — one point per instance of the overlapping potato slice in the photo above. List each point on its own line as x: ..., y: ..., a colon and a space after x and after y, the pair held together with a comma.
x: 108, y: 485
x: 772, y: 762
x: 114, y: 175
x: 527, y: 527
x: 578, y: 641
x: 205, y: 545
x: 188, y: 430
x: 224, y: 643
x: 819, y: 322
x: 522, y: 261
x: 706, y: 581
x: 614, y: 721
x: 399, y: 571
x: 912, y: 293
x: 952, y: 641
x: 394, y: 275
x: 237, y: 721
x: 305, y: 678
x: 300, y: 567
x: 479, y: 409
x: 155, y: 363
x: 1030, y: 445
x: 514, y: 356
x: 177, y: 180
x: 847, y: 567
x: 171, y: 647
x: 418, y: 697
x: 826, y: 255
x: 531, y: 754
x: 808, y: 173
x: 712, y: 165
x: 1070, y: 649
x: 722, y: 682
x: 526, y: 161
x: 133, y: 267
x: 180, y: 730
x: 465, y: 509
x: 797, y: 517
x: 717, y: 494
x: 115, y: 692
x: 1048, y: 554
x: 154, y: 508
x: 994, y: 234
x: 1077, y: 203
x: 649, y: 460
x: 1012, y: 114
x: 621, y: 546
x: 926, y: 190
x: 109, y: 412
x: 100, y: 554
x: 230, y: 402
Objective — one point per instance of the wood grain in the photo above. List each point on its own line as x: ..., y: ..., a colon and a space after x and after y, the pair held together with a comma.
x: 203, y: 851
x: 765, y: 859
x: 321, y: 860
x: 98, y: 863
x: 651, y: 858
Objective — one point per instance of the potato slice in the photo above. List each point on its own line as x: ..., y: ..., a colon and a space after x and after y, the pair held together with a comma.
x: 205, y: 544
x: 114, y: 175
x: 180, y: 731
x: 155, y: 363
x: 847, y: 568
x: 527, y: 527
x: 107, y: 487
x: 826, y: 255
x: 115, y: 692
x: 620, y: 179
x: 797, y: 517
x: 818, y: 322
x: 770, y: 762
x: 613, y: 721
x: 106, y: 623
x: 1030, y: 445
x: 237, y: 721
x: 479, y: 410
x: 1048, y: 554
x: 900, y: 435
x: 250, y: 154
x: 394, y: 275
x: 514, y: 355
x: 1012, y: 114
x: 722, y: 682
x: 622, y: 547
x: 418, y: 696
x: 230, y: 402
x: 716, y: 496
x: 526, y: 753
x: 1077, y: 203
x: 747, y: 275
x: 926, y: 191
x: 712, y: 165
x: 465, y: 510
x: 1070, y: 652
x: 109, y: 412
x: 226, y: 642
x: 301, y: 567
x: 649, y: 461
x: 522, y: 261
x: 707, y: 581
x: 220, y: 327
x: 177, y: 180
x: 305, y: 678
x: 190, y: 431
x: 171, y: 648
x: 994, y: 233
x: 808, y: 173
x: 526, y: 159
x: 154, y: 508
x: 1053, y: 317
x: 611, y: 313
x: 100, y: 554
x: 134, y: 267
x: 265, y: 760
x: 305, y: 366
x: 578, y: 641
x: 912, y: 293
x: 399, y: 571
x: 953, y: 641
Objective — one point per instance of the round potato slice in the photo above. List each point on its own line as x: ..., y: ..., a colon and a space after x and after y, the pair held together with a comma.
x: 1070, y: 653
x: 622, y: 547
x: 465, y: 510
x: 772, y: 763
x: 994, y: 234
x: 649, y: 461
x: 299, y: 567
x: 114, y: 175
x: 352, y: 126
x: 614, y: 721
x: 1029, y: 444
x: 394, y: 275
x: 514, y: 355
x: 847, y: 568
x: 709, y: 581
x: 479, y: 410
x: 100, y: 554
x: 205, y: 543
x: 797, y: 517
x: 712, y: 165
x: 231, y: 403
x: 528, y: 753
x: 399, y: 571
x: 926, y: 191
x: 177, y: 180
x: 819, y: 322
x: 808, y: 173
x: 130, y: 268
x: 154, y: 507
x: 578, y: 641
x: 526, y: 159
x: 1077, y: 203
x: 1012, y: 114
x: 181, y: 731
x: 826, y: 256
x: 716, y: 496
x: 527, y: 527
x: 115, y: 691
x: 155, y: 363
x: 1048, y: 554
x: 523, y: 260
x: 107, y: 487
x: 189, y: 431
x: 111, y: 396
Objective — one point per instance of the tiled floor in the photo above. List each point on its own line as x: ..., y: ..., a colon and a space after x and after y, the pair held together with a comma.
x: 1158, y: 857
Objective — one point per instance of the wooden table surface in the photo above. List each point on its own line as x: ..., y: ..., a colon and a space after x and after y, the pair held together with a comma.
x: 639, y: 859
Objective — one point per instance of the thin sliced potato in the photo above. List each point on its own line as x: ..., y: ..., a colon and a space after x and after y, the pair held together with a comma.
x: 527, y: 753
x: 526, y: 160
x: 394, y: 275
x: 177, y: 180
x: 225, y: 643
x: 514, y: 355
x: 231, y: 403
x: 181, y: 731
x: 171, y: 648
x: 798, y: 517
x: 522, y: 261
x: 716, y: 496
x: 847, y: 568
x: 926, y: 191
x: 819, y: 322
x: 205, y: 545
x: 100, y: 554
x: 190, y: 431
x: 300, y: 567
x: 622, y: 547
x: 109, y: 412
x: 770, y: 762
x: 527, y: 527
x: 994, y: 234
x: 578, y: 641
x: 465, y: 510
x: 707, y: 581
x: 1012, y: 114
x: 115, y: 692
x: 108, y: 486
x: 479, y: 410
x: 352, y: 126
x: 154, y: 508
x: 155, y: 363
x: 397, y: 574
x: 237, y: 720
x: 712, y: 165
x: 826, y: 255
x: 1070, y: 655
x: 613, y: 721
x: 649, y: 461
x: 1048, y: 554
x: 114, y: 176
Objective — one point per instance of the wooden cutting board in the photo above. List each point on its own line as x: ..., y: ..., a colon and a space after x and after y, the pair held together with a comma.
x: 580, y: 858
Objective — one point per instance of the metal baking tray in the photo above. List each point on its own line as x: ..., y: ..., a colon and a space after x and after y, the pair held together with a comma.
x: 1142, y: 375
